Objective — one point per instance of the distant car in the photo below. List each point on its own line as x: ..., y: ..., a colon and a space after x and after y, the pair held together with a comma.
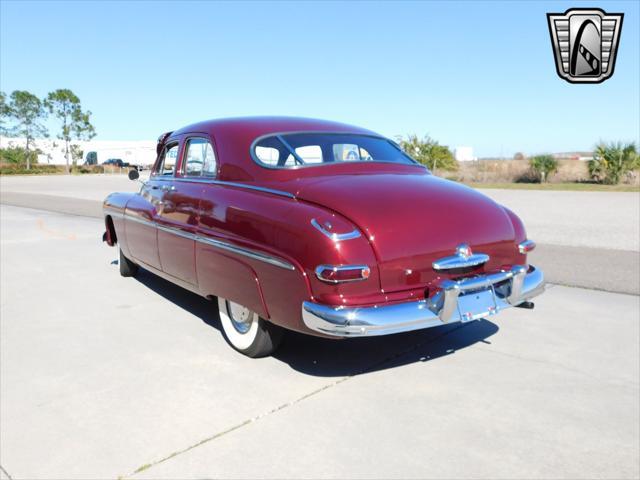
x: 117, y: 162
x: 318, y: 227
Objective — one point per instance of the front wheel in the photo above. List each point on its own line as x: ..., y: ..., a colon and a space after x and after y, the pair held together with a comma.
x: 246, y: 332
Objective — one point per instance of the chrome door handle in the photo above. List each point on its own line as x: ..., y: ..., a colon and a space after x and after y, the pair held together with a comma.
x: 167, y: 188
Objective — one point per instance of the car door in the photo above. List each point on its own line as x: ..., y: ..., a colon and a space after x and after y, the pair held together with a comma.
x: 178, y: 220
x: 142, y: 210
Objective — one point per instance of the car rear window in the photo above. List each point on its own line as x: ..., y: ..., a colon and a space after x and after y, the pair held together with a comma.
x: 294, y: 150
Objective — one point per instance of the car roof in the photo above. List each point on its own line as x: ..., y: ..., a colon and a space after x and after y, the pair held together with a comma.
x: 264, y: 125
x: 233, y: 138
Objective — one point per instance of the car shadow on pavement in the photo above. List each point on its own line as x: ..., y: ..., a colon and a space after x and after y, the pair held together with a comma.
x: 338, y: 358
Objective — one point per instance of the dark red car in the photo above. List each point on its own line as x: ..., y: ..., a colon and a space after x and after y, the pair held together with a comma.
x: 318, y: 227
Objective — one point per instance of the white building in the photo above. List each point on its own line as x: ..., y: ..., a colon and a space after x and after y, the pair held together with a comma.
x: 135, y: 152
x: 464, y: 154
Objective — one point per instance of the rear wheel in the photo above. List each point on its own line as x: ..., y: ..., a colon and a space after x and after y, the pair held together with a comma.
x: 127, y: 267
x: 246, y: 332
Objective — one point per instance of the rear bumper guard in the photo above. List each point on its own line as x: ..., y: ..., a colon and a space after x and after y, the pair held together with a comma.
x: 455, y: 301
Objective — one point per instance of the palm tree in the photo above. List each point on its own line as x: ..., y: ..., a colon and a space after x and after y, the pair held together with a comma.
x: 612, y: 161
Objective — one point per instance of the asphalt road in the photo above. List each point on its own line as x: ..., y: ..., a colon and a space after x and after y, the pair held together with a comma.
x: 106, y: 377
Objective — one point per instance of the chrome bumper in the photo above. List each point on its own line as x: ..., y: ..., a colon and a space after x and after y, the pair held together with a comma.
x: 455, y: 301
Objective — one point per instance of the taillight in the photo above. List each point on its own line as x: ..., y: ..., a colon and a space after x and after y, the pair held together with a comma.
x: 526, y: 246
x: 342, y: 273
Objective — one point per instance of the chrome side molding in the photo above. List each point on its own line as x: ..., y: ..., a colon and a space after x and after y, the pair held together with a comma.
x: 222, y: 245
x: 224, y: 183
x: 263, y: 257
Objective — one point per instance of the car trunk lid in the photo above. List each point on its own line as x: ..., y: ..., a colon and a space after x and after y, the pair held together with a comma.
x: 412, y: 219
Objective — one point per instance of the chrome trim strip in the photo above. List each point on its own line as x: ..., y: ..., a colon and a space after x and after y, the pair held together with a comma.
x: 211, y: 181
x: 342, y: 268
x: 336, y: 237
x: 257, y: 188
x: 247, y: 252
x: 263, y: 257
x: 176, y: 231
x: 142, y: 221
x: 449, y: 305
x: 463, y: 258
x: 526, y: 246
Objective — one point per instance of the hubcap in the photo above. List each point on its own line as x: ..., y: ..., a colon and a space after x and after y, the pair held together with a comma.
x: 241, y: 317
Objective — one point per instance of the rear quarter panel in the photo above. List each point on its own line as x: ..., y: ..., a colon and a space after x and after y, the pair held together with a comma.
x: 281, y: 227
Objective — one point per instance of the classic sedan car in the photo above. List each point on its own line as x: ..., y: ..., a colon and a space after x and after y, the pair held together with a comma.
x: 318, y: 227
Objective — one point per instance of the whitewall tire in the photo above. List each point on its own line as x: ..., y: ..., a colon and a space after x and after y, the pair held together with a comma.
x: 246, y: 332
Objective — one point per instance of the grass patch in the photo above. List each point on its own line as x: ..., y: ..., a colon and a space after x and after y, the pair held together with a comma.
x: 575, y: 187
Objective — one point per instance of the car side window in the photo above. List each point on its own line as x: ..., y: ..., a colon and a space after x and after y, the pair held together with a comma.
x: 200, y: 160
x: 167, y: 163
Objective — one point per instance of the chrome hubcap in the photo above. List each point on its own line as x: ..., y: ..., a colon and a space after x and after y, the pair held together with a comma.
x: 241, y: 317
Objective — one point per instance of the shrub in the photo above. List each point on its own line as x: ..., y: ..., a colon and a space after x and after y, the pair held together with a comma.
x: 17, y: 155
x: 613, y: 161
x: 543, y: 166
x: 429, y: 152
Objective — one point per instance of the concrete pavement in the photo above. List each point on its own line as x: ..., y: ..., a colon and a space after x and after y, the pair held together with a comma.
x: 106, y: 377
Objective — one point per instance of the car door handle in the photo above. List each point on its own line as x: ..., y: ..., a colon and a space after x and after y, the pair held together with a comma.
x: 167, y: 188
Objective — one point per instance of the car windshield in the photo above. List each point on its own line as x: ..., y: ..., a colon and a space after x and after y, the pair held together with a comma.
x: 294, y: 150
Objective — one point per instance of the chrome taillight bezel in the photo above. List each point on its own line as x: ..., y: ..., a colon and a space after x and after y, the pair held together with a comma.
x: 364, y: 270
x: 526, y: 246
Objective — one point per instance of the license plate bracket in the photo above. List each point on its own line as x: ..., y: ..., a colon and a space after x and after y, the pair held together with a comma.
x: 478, y: 304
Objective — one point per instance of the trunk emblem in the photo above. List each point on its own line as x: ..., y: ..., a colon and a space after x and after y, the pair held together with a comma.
x: 463, y: 258
x: 464, y: 250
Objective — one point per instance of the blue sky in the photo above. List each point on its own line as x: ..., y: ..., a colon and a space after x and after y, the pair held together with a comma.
x: 467, y: 73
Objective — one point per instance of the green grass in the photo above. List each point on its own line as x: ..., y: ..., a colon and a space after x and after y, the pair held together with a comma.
x: 576, y: 187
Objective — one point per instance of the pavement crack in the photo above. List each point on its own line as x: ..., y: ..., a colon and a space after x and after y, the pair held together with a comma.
x: 237, y: 426
x: 372, y: 367
x: 5, y: 472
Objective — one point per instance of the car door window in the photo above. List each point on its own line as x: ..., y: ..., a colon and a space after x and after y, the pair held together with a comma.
x: 167, y: 163
x: 200, y: 160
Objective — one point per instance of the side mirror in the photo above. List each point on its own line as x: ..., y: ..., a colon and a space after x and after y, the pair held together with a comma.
x: 133, y: 174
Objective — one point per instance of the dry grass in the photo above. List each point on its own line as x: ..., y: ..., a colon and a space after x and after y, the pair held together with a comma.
x: 577, y: 187
x: 519, y: 172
